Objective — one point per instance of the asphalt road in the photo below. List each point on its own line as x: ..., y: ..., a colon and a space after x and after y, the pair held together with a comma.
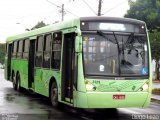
x: 27, y: 106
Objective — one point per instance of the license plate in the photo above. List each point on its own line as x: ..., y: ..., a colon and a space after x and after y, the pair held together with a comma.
x: 118, y: 97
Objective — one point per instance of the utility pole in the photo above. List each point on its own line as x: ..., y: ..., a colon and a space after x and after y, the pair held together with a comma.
x: 99, y: 7
x: 63, y: 12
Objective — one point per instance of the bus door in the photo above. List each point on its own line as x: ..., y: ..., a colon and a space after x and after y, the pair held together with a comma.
x: 9, y: 50
x: 68, y: 67
x: 31, y: 63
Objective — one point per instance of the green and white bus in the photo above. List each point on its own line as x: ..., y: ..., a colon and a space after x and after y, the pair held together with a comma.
x: 88, y: 62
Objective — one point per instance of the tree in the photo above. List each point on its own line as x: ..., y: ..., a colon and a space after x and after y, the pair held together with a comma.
x: 39, y: 25
x: 155, y: 49
x: 148, y: 11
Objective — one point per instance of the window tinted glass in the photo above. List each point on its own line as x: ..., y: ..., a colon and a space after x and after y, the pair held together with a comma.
x: 26, y: 48
x: 15, y: 47
x: 56, y: 50
x: 40, y: 43
x: 47, y: 51
x: 26, y: 45
x: 47, y: 42
x: 115, y: 54
x: 39, y: 51
x: 100, y: 55
x: 20, y: 46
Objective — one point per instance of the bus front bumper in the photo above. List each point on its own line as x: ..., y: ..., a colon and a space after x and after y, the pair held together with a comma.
x: 107, y: 100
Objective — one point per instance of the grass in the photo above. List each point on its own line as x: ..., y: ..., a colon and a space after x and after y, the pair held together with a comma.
x: 156, y: 90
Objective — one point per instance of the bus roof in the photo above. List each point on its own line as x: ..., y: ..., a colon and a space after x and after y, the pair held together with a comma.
x: 69, y: 24
x: 46, y: 29
x: 112, y: 19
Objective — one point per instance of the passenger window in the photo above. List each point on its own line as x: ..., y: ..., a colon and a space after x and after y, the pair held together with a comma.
x: 39, y: 51
x: 26, y: 48
x: 47, y: 51
x: 40, y: 43
x: 56, y: 50
x: 20, y: 46
x: 26, y: 45
x: 14, y: 49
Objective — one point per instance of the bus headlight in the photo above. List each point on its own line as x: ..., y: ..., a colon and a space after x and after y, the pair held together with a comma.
x: 89, y: 86
x: 145, y: 87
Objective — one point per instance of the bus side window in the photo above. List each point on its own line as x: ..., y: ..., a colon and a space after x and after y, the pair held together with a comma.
x: 39, y: 49
x: 25, y: 48
x: 19, y: 54
x: 56, y: 50
x: 47, y: 51
x: 14, y: 49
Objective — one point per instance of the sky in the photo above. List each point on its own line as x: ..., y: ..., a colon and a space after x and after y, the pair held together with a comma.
x: 18, y: 15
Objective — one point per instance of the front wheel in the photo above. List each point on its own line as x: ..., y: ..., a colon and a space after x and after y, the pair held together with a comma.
x: 54, y: 95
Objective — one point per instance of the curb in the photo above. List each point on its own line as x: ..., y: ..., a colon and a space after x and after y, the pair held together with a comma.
x: 155, y: 100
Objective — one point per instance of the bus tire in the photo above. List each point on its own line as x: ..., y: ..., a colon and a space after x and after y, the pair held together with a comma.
x: 14, y: 81
x: 18, y: 81
x: 54, y: 95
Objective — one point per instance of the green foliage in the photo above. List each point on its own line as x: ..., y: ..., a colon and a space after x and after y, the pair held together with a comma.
x: 155, y: 49
x: 156, y: 90
x: 155, y: 44
x: 39, y: 25
x: 2, y: 53
x: 146, y: 10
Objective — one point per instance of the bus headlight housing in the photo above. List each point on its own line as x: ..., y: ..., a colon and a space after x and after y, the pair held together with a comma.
x: 145, y: 87
x: 89, y: 86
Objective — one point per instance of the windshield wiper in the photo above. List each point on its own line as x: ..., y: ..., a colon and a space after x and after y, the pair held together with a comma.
x: 99, y: 32
x: 130, y: 39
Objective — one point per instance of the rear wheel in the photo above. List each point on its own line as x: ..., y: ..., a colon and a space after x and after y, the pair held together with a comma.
x: 14, y: 81
x: 54, y: 94
x: 18, y: 82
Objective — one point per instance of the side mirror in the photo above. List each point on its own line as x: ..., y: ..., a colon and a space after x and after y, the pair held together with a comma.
x: 78, y: 44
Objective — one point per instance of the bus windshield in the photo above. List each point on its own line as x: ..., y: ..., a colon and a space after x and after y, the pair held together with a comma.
x: 115, y: 54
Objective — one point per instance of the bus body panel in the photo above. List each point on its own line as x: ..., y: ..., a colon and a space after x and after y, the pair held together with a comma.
x: 42, y: 79
x: 105, y: 85
x: 148, y: 100
x: 81, y: 100
x: 21, y: 67
x: 80, y: 81
x: 23, y: 70
x: 39, y: 86
x: 105, y: 99
x: 103, y: 96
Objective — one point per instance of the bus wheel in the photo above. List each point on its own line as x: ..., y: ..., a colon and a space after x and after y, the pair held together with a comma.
x: 54, y: 94
x: 14, y: 82
x: 18, y: 83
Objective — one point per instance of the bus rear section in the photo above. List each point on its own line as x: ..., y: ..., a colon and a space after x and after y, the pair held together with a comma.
x: 115, y: 64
